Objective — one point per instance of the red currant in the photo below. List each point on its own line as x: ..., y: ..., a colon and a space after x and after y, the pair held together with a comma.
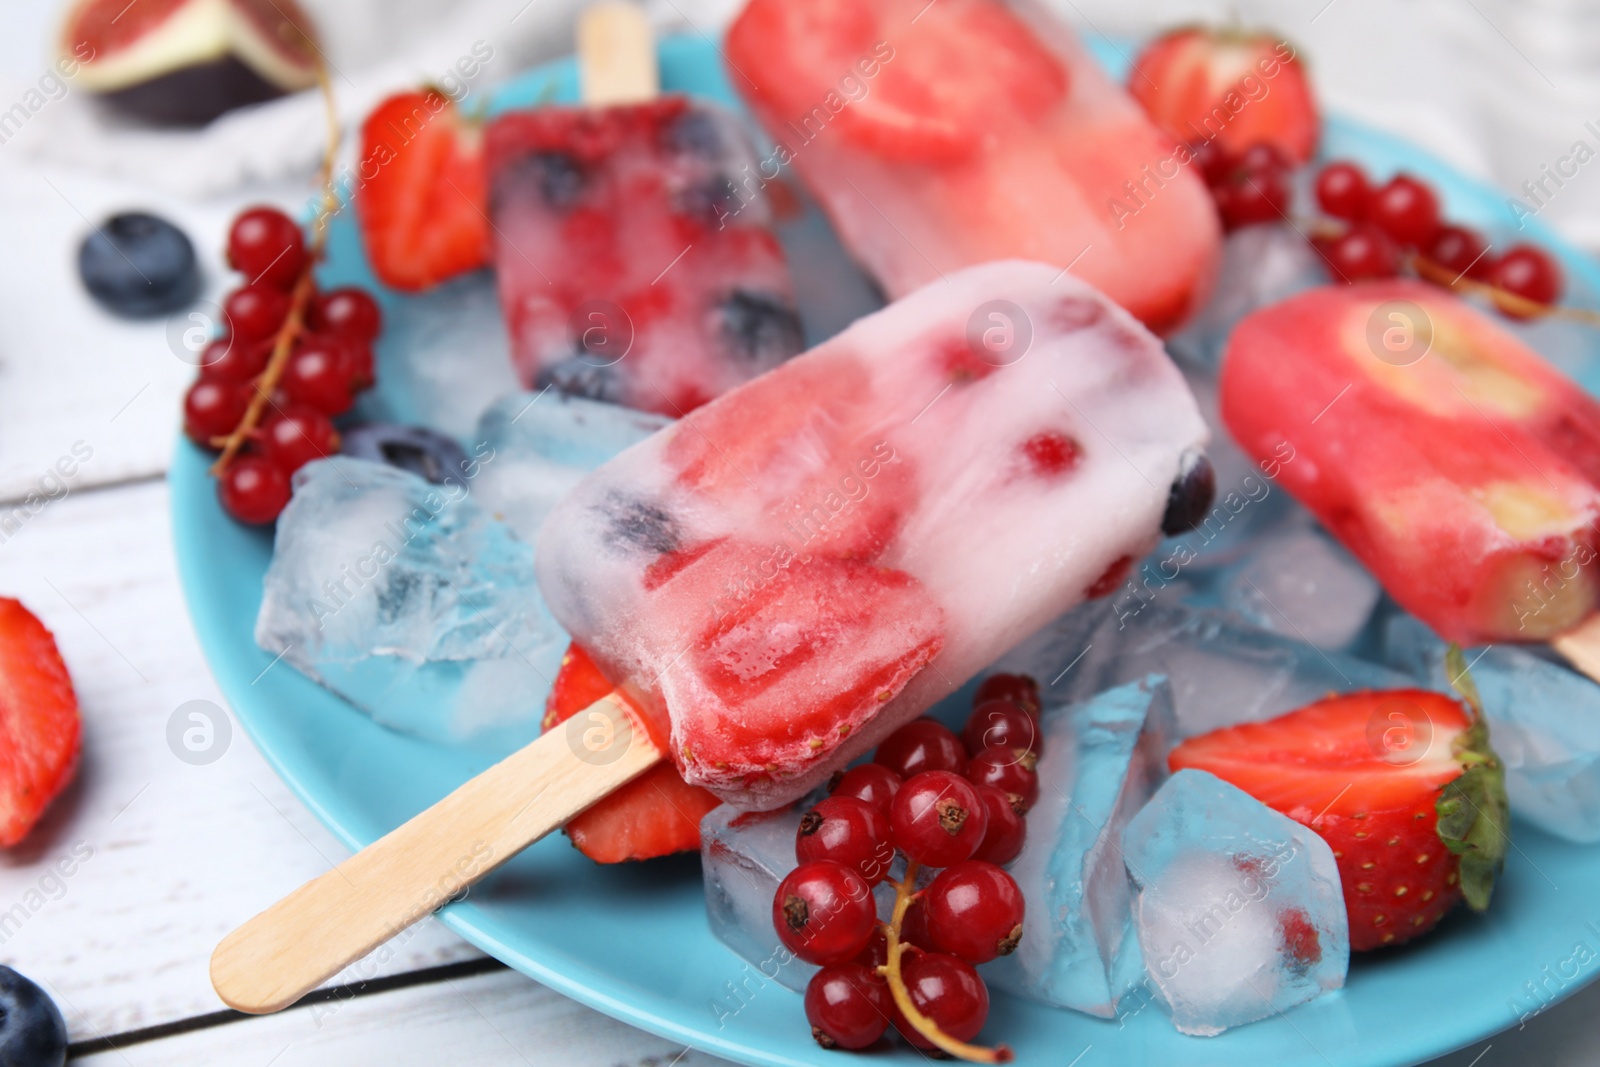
x: 974, y: 911
x: 1017, y: 688
x: 358, y: 364
x: 235, y: 361
x: 1007, y: 831
x: 255, y: 312
x: 999, y: 724
x: 348, y: 312
x: 1007, y: 770
x: 922, y: 745
x: 213, y: 409
x: 1460, y: 252
x: 824, y: 912
x: 318, y: 376
x: 1342, y: 191
x: 1212, y: 160
x: 1361, y: 253
x: 1249, y: 199
x: 848, y: 1006
x: 1405, y: 209
x: 267, y: 247
x: 298, y: 436
x: 946, y: 990
x: 253, y: 490
x: 876, y: 954
x: 848, y: 831
x: 938, y: 819
x: 872, y: 782
x: 1529, y: 273
x: 914, y: 927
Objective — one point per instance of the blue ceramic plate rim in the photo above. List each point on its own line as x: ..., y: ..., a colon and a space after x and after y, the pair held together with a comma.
x: 205, y: 542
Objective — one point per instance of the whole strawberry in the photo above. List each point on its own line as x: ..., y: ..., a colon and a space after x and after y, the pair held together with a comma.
x: 1403, y: 786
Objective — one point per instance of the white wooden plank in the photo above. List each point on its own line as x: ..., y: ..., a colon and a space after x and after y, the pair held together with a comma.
x: 169, y: 856
x: 494, y: 1020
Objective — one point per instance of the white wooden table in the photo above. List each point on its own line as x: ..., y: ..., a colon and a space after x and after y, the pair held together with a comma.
x: 176, y: 855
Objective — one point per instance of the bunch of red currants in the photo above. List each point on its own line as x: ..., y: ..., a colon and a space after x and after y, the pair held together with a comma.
x: 329, y: 361
x: 955, y: 803
x: 1383, y: 224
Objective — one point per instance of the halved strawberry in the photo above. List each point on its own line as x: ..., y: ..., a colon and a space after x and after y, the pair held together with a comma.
x: 1403, y: 786
x: 422, y: 196
x: 656, y: 814
x: 39, y: 725
x: 1233, y: 87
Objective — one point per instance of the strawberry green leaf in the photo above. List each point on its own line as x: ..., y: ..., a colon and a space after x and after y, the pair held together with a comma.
x: 1474, y: 815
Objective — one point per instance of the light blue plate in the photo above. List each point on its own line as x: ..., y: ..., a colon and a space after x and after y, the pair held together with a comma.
x: 633, y: 942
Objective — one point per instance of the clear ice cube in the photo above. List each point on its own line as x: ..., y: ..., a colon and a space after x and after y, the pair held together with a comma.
x: 1101, y: 760
x: 443, y: 358
x: 412, y: 602
x: 1544, y: 721
x: 542, y: 444
x: 1238, y: 909
x: 1221, y: 671
x: 1300, y: 583
x: 1261, y: 265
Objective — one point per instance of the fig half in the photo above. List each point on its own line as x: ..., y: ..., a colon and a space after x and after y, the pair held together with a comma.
x: 184, y: 62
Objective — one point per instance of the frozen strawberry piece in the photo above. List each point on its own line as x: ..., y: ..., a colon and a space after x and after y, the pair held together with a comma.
x: 1458, y: 465
x: 1231, y: 87
x: 656, y: 814
x: 634, y: 254
x: 976, y: 130
x: 39, y: 725
x: 422, y: 201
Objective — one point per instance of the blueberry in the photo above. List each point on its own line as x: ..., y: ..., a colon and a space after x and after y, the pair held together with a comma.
x: 137, y: 265
x: 760, y: 326
x: 695, y: 133
x: 32, y: 1032
x: 417, y: 449
x: 1193, y: 490
x: 577, y: 376
x: 558, y: 178
x: 710, y: 202
x: 638, y: 523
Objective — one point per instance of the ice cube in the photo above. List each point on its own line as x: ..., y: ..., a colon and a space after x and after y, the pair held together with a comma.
x: 744, y: 855
x: 1222, y: 671
x: 1238, y: 909
x: 541, y: 444
x: 1101, y: 761
x: 443, y: 358
x: 1261, y: 265
x: 1544, y: 721
x: 1299, y: 582
x: 412, y: 602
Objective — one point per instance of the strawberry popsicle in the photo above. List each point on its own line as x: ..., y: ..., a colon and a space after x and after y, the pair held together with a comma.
x: 813, y: 559
x: 941, y: 135
x: 628, y: 270
x: 1457, y: 464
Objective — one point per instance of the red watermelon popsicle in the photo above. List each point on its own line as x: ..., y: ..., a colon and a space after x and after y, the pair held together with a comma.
x: 1457, y: 464
x: 943, y: 135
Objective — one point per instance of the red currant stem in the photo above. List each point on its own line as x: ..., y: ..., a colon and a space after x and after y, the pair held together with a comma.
x: 304, y: 287
x: 904, y: 894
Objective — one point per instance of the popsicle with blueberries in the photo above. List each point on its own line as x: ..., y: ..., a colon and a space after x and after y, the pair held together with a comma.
x: 787, y: 574
x: 632, y: 267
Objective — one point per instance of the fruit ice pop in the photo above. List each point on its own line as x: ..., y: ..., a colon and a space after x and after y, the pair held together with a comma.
x: 811, y: 560
x: 629, y: 269
x: 1457, y: 464
x: 941, y: 135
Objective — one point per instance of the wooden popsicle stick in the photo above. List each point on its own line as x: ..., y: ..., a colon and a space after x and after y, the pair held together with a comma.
x: 1581, y: 646
x: 616, y: 54
x: 335, y: 919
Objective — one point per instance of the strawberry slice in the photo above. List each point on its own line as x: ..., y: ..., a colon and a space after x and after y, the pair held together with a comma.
x: 422, y: 196
x: 39, y: 727
x: 656, y: 814
x: 1403, y: 786
x: 1238, y: 89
